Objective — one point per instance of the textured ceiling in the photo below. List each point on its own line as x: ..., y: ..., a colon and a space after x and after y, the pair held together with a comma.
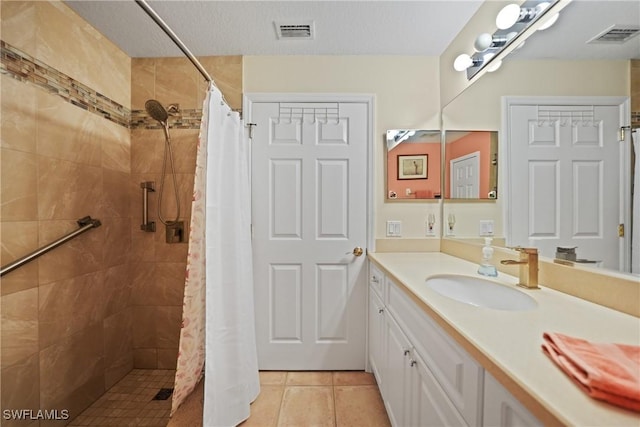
x: 418, y: 27
x: 247, y: 27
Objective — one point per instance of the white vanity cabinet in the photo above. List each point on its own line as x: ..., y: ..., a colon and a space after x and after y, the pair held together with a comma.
x: 424, y: 377
x: 502, y: 409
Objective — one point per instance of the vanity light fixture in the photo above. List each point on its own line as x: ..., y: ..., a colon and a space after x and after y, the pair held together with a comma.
x: 512, y: 21
x: 513, y: 14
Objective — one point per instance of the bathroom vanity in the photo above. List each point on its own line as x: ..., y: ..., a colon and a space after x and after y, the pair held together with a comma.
x: 439, y: 361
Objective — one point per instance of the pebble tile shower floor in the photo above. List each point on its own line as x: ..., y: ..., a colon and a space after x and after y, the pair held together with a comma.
x: 131, y: 401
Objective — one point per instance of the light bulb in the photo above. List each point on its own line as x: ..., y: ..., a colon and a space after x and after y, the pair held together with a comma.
x: 549, y: 22
x: 462, y: 62
x: 508, y: 16
x: 483, y: 41
x: 494, y: 65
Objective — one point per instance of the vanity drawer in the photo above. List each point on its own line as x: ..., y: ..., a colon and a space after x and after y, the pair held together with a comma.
x: 377, y: 281
x: 460, y: 376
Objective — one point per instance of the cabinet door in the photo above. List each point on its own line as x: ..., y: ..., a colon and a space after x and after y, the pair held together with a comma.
x: 397, y: 385
x: 502, y: 409
x: 376, y: 337
x: 430, y: 406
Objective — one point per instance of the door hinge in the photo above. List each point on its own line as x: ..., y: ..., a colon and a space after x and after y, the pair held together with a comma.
x: 621, y: 230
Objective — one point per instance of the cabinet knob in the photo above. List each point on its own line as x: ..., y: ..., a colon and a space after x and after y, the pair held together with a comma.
x: 380, y: 310
x: 375, y: 279
x: 406, y: 351
x: 413, y: 363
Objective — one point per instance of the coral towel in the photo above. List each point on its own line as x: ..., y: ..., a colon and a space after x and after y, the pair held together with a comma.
x: 609, y: 372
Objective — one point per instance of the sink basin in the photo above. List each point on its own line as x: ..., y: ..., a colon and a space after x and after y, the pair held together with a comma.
x: 480, y: 292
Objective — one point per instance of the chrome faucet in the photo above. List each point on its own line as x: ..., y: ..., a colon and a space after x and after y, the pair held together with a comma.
x: 528, y: 263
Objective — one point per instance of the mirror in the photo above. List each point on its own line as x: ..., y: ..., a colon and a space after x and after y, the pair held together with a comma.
x: 554, y: 62
x: 470, y: 164
x: 413, y: 164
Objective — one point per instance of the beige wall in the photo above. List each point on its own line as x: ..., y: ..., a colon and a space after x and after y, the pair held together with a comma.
x: 406, y: 93
x: 158, y: 267
x: 65, y: 317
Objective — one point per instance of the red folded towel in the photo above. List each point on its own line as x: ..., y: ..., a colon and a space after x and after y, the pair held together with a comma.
x: 609, y: 372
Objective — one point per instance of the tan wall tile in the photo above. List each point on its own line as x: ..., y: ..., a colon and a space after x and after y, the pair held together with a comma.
x: 145, y: 331
x: 167, y: 358
x: 145, y: 358
x: 68, y: 190
x: 118, y: 287
x: 143, y: 82
x: 117, y: 241
x: 20, y: 387
x: 116, y: 146
x: 68, y: 306
x: 176, y: 82
x: 18, y: 186
x: 19, y: 24
x: 19, y: 103
x: 169, y: 320
x: 17, y: 240
x: 118, y: 347
x: 115, y: 198
x: 67, y: 132
x: 76, y: 257
x: 227, y: 73
x: 19, y: 326
x: 72, y: 370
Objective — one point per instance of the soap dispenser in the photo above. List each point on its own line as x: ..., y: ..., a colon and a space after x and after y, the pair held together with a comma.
x: 486, y: 268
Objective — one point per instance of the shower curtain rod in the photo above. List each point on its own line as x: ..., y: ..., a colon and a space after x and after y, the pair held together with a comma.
x: 158, y: 20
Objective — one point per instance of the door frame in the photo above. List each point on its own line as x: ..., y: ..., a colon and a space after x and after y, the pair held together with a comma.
x: 624, y: 156
x: 250, y: 98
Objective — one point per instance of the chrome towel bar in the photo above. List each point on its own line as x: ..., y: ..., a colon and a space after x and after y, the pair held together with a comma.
x: 85, y: 224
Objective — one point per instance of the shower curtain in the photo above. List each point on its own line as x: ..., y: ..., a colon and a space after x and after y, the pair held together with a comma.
x: 219, y: 268
x: 635, y: 221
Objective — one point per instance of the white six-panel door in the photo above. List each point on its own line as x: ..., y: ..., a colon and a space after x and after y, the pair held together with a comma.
x: 309, y: 197
x: 465, y: 176
x: 565, y: 179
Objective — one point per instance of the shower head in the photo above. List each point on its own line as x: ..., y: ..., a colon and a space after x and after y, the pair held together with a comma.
x: 156, y: 111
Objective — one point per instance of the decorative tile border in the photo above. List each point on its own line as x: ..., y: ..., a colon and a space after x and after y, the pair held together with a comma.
x: 25, y: 68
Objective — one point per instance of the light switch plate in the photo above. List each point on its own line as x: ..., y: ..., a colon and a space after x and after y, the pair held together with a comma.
x: 486, y: 227
x: 394, y: 228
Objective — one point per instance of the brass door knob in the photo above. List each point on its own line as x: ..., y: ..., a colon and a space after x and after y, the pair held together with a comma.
x: 357, y: 251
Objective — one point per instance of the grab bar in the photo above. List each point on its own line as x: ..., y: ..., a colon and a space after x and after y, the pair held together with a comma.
x: 147, y: 186
x: 85, y: 224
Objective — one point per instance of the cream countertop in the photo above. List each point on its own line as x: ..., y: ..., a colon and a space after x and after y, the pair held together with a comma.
x: 507, y: 343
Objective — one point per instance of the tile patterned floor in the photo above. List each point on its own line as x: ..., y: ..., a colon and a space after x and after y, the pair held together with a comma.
x: 332, y: 399
x: 130, y: 402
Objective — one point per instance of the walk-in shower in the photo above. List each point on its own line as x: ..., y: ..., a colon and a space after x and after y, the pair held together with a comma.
x: 174, y: 228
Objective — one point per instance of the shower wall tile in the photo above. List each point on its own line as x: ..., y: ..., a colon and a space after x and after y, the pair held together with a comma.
x: 147, y: 148
x: 143, y: 83
x: 117, y: 241
x: 19, y: 314
x: 145, y: 358
x: 184, y: 143
x: 77, y: 257
x: 118, y: 285
x: 67, y: 132
x: 142, y: 242
x: 143, y: 284
x: 20, y: 388
x: 68, y: 190
x: 169, y: 283
x: 19, y: 24
x: 118, y: 350
x: 18, y: 119
x: 18, y: 186
x: 72, y: 371
x: 227, y: 73
x: 17, y: 240
x: 168, y: 330
x: 145, y: 332
x: 115, y: 197
x: 68, y: 306
x: 167, y: 358
x: 176, y: 82
x: 94, y: 60
x: 116, y: 147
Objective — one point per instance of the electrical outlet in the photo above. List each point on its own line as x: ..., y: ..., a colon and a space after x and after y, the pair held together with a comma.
x: 430, y: 230
x: 394, y: 228
x: 486, y: 227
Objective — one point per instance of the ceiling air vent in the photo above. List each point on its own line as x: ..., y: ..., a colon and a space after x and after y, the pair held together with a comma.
x: 295, y: 31
x: 616, y: 34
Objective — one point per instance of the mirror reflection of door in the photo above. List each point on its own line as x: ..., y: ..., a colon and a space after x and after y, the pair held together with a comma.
x: 471, y: 166
x: 465, y: 176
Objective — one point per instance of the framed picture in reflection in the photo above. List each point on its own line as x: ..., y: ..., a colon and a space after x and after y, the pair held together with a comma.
x: 413, y: 166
